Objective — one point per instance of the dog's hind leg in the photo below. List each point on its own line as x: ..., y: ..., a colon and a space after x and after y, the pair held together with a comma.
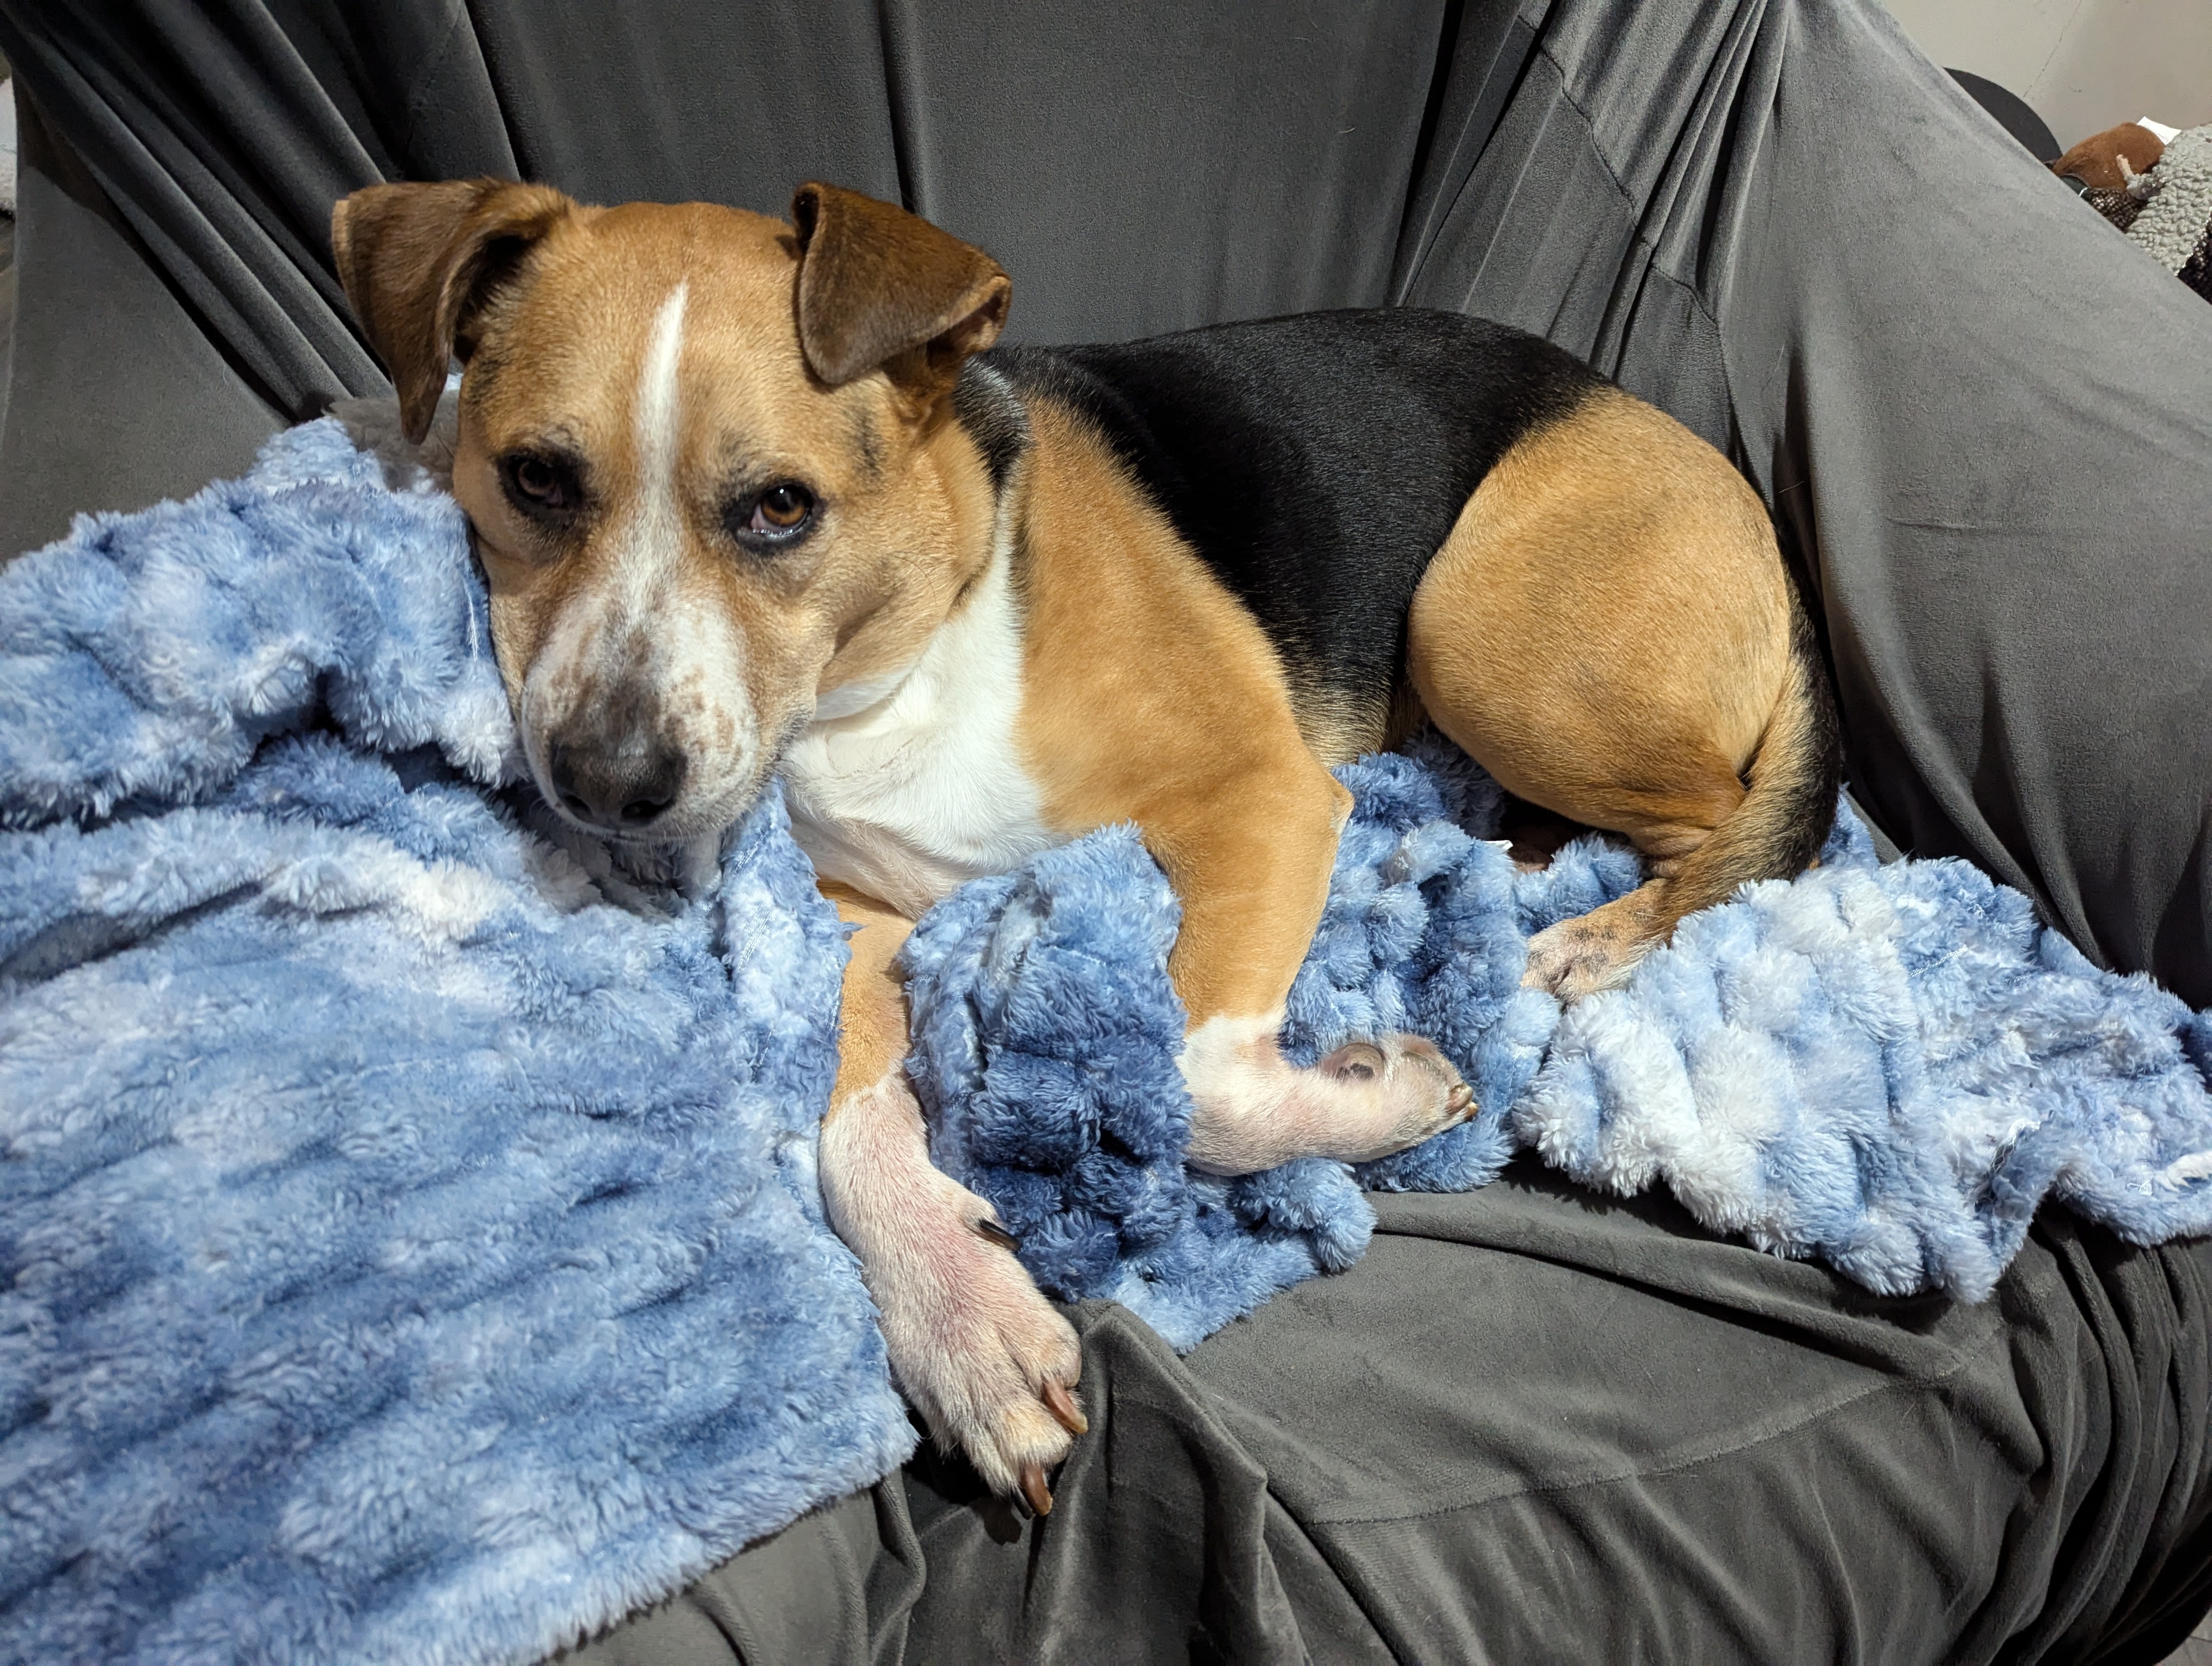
x: 989, y: 1363
x: 1609, y: 631
x: 1252, y: 866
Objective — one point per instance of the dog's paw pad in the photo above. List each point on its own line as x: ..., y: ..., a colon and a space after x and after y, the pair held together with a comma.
x: 1415, y: 1090
x: 1355, y: 1062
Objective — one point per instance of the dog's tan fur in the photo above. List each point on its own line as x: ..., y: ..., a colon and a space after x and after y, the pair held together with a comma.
x: 872, y: 1039
x: 686, y: 354
x: 1567, y: 636
x: 1153, y: 697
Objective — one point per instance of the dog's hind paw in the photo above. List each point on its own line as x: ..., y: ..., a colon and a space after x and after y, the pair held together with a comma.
x: 1582, y: 956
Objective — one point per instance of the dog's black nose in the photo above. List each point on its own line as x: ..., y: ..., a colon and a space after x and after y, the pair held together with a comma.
x: 622, y: 792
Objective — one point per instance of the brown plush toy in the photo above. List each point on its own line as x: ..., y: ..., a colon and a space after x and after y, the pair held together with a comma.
x: 2110, y: 161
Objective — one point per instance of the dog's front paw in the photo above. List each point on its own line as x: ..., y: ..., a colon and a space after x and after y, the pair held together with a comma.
x: 1252, y: 1111
x: 1401, y: 1087
x: 983, y: 1356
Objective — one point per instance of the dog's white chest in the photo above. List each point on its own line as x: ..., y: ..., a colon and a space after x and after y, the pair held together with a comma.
x: 923, y: 790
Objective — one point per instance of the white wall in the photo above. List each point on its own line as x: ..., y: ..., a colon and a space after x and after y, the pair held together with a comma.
x: 2084, y: 64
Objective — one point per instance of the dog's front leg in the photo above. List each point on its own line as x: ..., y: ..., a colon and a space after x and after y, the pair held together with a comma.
x: 1251, y: 865
x: 984, y: 1357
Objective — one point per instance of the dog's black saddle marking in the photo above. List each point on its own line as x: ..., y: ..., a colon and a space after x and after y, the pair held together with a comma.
x: 1315, y: 462
x: 991, y: 411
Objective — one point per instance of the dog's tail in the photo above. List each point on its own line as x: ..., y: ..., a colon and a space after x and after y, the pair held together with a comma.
x: 1789, y: 805
x: 1773, y: 831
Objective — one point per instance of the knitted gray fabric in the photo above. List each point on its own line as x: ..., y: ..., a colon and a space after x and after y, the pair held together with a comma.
x: 2179, y: 206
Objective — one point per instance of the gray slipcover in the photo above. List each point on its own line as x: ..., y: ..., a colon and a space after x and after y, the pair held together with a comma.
x: 1532, y: 1424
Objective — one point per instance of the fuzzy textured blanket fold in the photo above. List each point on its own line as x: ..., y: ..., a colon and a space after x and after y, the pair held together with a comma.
x: 1889, y: 1068
x: 409, y: 1246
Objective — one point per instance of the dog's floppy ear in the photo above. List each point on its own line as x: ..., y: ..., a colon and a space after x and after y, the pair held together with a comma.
x: 418, y: 261
x: 880, y: 287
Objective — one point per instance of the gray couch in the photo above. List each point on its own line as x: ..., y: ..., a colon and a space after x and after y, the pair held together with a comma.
x: 1532, y: 1424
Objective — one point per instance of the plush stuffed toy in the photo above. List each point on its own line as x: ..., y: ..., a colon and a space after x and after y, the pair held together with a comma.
x: 2111, y: 160
x: 2166, y: 207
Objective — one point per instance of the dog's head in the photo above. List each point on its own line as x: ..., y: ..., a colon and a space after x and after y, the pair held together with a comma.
x: 710, y: 458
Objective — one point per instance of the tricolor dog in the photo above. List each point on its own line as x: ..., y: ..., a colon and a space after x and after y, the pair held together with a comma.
x: 757, y: 498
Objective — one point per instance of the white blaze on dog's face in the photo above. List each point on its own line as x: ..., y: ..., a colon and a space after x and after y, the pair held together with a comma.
x: 710, y: 485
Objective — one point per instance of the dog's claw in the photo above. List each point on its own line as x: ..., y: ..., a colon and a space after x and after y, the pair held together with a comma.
x: 990, y: 1229
x: 1461, y: 1100
x: 1034, y: 1490
x: 1061, y: 1404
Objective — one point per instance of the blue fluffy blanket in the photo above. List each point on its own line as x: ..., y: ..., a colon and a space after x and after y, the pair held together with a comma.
x: 409, y: 1243
x: 1889, y: 1068
x: 407, y: 1224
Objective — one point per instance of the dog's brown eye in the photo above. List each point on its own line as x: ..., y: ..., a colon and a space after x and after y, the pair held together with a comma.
x: 775, y: 518
x: 780, y: 508
x: 540, y: 485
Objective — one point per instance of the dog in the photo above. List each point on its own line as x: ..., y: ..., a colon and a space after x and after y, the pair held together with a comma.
x: 757, y: 498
